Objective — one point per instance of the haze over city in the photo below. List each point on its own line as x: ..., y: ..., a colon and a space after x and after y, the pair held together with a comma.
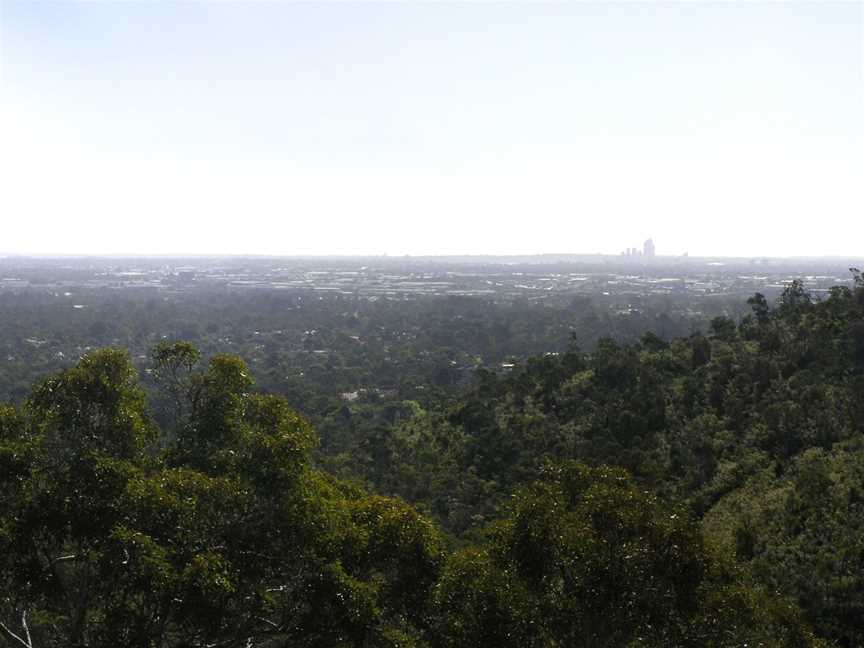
x: 296, y: 128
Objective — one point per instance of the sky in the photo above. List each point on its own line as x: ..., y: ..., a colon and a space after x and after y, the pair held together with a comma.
x: 245, y: 127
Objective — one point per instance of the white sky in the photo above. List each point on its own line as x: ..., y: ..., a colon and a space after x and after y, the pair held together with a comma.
x: 289, y: 128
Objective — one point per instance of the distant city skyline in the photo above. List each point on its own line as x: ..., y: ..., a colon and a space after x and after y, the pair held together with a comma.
x: 718, y: 129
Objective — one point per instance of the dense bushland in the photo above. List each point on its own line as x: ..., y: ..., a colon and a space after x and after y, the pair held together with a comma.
x: 203, y: 516
x: 217, y: 531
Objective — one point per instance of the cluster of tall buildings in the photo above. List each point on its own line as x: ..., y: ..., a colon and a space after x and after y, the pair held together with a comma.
x: 646, y: 251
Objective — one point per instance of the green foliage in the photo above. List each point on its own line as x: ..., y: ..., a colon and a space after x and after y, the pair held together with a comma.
x: 96, y: 406
x: 586, y: 558
x: 801, y: 533
x: 173, y: 363
x: 716, y: 424
x: 227, y: 538
x: 735, y: 516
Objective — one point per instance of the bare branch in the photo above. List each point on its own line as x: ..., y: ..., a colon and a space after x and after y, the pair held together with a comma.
x: 269, y: 622
x: 26, y: 629
x: 5, y: 628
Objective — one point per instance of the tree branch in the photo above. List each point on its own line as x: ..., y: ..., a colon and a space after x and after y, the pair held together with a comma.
x: 269, y: 622
x: 28, y: 643
x: 26, y: 629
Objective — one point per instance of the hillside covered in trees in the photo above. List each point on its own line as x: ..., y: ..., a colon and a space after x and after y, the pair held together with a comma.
x: 703, y: 491
x: 756, y: 429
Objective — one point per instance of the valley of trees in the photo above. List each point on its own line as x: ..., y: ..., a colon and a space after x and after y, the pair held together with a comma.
x: 667, y: 488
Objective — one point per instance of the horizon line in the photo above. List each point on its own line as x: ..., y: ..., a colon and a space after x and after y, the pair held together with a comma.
x: 241, y: 255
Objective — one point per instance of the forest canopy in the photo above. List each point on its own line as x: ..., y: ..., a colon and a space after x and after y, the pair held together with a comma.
x: 219, y: 532
x: 701, y: 491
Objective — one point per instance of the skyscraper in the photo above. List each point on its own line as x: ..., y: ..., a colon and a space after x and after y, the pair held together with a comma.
x: 648, y: 248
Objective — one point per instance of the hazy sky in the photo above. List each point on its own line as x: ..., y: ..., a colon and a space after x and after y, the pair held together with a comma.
x: 243, y: 127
